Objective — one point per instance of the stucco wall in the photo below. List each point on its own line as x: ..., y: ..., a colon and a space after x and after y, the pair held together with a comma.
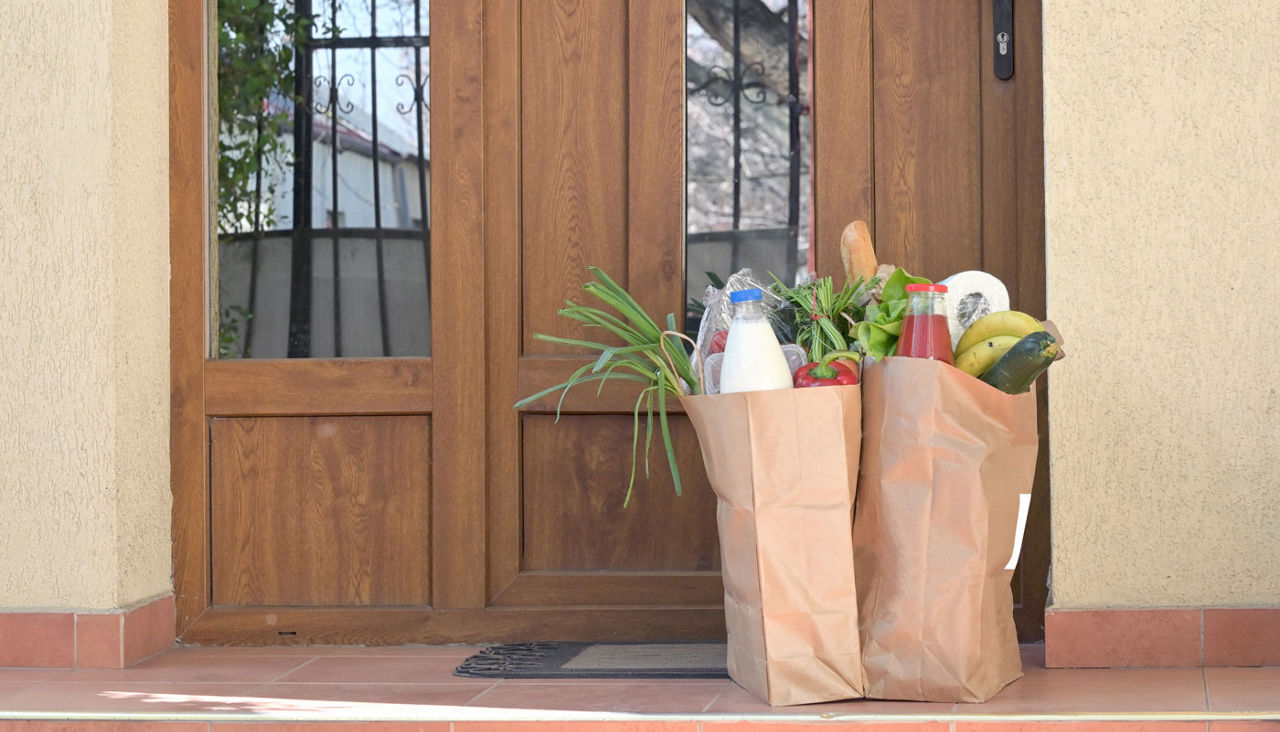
x: 1162, y: 193
x: 84, y: 366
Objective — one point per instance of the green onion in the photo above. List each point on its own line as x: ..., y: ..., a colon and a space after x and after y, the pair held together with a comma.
x: 649, y: 355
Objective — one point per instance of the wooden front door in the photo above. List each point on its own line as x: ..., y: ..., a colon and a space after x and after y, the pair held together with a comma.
x: 396, y: 500
x: 944, y: 160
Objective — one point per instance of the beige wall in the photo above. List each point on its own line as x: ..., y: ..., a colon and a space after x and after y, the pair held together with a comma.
x: 1162, y: 145
x: 84, y: 364
x: 1162, y: 192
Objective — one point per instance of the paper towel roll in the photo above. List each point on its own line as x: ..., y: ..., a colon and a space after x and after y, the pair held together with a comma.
x: 971, y: 295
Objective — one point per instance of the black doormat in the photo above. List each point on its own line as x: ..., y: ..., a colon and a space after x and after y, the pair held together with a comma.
x: 598, y: 661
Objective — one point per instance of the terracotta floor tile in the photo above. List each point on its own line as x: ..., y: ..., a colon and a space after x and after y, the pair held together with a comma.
x: 38, y: 639
x: 366, y: 682
x: 98, y: 641
x: 663, y: 726
x: 1147, y: 726
x: 737, y: 700
x: 1032, y: 655
x: 633, y: 696
x: 1097, y: 690
x: 1242, y: 637
x: 1243, y: 689
x: 655, y: 726
x: 32, y: 674
x: 170, y: 667
x: 148, y: 630
x: 123, y: 697
x: 377, y: 669
x: 1113, y: 638
x: 104, y: 726
x: 824, y: 726
x: 458, y: 652
x: 454, y: 695
x: 331, y: 727
x: 1268, y: 725
x: 9, y: 688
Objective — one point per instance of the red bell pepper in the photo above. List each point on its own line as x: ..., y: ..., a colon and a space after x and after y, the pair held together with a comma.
x: 838, y: 368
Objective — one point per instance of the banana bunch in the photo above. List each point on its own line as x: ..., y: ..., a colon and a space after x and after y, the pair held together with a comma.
x: 990, y: 337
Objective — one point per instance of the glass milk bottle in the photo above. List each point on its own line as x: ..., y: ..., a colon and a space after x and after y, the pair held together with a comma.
x: 753, y: 360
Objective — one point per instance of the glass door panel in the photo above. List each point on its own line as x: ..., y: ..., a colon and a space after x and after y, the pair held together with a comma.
x: 326, y: 97
x: 747, y: 141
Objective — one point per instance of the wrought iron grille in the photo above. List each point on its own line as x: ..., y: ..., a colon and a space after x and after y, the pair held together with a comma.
x: 358, y: 234
x: 757, y: 84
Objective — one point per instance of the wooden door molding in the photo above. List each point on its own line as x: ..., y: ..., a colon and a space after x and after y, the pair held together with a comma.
x: 203, y: 389
x: 503, y: 223
x: 188, y: 232
x: 461, y: 308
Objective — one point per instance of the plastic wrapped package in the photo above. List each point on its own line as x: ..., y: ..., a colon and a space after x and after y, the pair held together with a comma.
x: 719, y: 313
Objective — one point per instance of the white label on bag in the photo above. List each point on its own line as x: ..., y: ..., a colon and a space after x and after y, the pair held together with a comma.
x: 1024, y: 505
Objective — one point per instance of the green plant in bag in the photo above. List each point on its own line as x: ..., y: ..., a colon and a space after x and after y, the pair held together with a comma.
x: 822, y: 317
x: 648, y: 355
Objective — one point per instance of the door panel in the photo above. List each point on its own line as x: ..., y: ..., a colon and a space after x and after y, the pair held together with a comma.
x: 575, y: 477
x: 573, y: 62
x: 321, y: 511
x: 927, y: 135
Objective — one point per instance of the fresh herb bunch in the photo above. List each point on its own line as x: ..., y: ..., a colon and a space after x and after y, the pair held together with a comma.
x: 648, y: 355
x: 823, y: 317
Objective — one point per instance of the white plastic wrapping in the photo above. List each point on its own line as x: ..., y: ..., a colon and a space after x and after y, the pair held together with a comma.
x: 719, y: 311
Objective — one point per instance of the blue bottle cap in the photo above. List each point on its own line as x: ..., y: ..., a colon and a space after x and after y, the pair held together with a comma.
x: 746, y: 295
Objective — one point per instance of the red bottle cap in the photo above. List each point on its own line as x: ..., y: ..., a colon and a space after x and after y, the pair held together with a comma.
x: 926, y: 288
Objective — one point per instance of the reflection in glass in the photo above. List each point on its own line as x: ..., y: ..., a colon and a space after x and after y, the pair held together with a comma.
x: 747, y: 140
x: 324, y: 179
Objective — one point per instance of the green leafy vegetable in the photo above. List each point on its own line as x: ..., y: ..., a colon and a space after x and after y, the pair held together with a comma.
x: 649, y: 355
x: 877, y: 334
x: 895, y: 286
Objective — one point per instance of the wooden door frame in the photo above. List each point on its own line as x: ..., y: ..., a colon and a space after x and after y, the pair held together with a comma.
x: 203, y: 388
x: 479, y: 162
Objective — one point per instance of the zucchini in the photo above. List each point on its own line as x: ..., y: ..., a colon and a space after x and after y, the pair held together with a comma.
x: 1018, y: 368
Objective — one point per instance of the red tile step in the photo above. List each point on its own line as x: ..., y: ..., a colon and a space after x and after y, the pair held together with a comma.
x: 412, y: 688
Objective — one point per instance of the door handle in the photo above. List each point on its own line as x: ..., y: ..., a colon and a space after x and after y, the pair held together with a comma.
x: 1002, y: 25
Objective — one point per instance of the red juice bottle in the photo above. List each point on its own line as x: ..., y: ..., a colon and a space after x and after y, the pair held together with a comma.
x: 924, y: 326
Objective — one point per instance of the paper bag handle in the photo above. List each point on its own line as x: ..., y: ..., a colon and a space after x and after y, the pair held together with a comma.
x: 662, y: 341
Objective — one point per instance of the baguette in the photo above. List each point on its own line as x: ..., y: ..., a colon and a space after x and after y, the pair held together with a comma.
x: 857, y: 252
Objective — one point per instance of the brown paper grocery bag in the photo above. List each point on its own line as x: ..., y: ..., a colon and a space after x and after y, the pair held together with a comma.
x: 947, y: 468
x: 784, y: 466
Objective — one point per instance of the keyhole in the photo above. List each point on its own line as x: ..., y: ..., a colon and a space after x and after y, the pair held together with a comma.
x: 1002, y: 39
